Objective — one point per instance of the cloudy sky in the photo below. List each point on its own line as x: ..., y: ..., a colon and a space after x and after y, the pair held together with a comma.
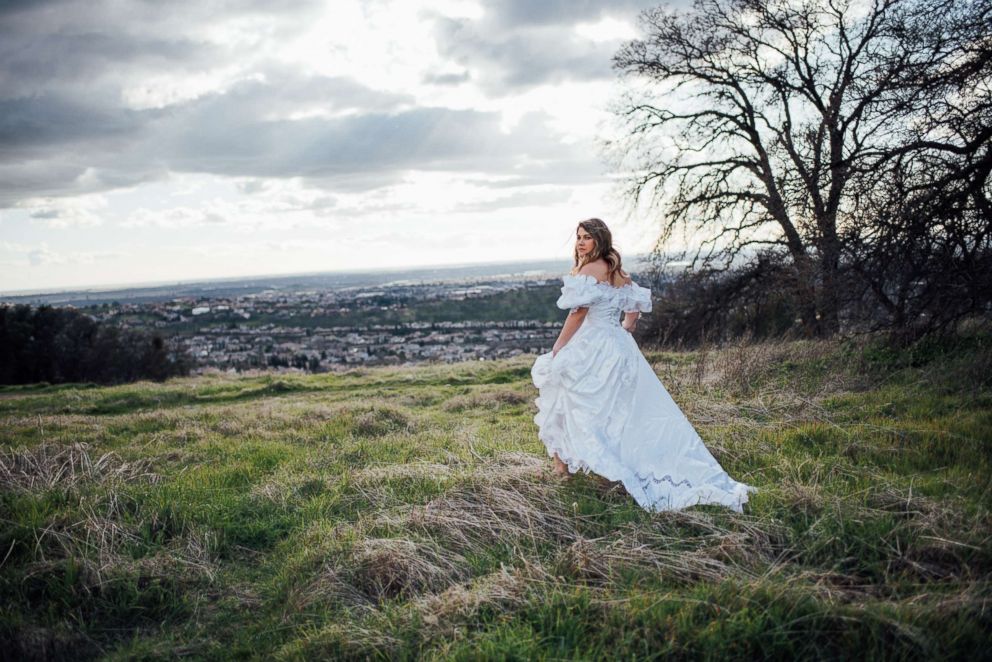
x: 147, y: 141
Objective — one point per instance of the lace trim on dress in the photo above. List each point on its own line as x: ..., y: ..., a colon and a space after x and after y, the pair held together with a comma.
x: 658, y: 481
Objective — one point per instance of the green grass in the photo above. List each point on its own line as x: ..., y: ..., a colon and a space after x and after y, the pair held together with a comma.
x: 401, y: 513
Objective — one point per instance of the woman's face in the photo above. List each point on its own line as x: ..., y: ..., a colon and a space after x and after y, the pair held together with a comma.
x: 584, y: 243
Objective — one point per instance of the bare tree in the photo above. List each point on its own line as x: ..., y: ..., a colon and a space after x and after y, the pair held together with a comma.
x: 924, y: 261
x: 776, y: 124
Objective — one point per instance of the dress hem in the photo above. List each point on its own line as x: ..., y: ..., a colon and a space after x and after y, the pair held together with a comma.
x: 636, y: 486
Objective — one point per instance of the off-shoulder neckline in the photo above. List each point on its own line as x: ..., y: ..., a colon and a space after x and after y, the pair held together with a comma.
x: 600, y: 282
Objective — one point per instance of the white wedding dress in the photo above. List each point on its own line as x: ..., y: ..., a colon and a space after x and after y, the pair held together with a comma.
x: 602, y: 409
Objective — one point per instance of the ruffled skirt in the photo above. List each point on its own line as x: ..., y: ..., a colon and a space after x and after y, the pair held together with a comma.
x: 603, y: 410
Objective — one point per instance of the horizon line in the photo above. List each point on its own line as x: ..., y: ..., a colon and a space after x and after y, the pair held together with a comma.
x: 110, y: 287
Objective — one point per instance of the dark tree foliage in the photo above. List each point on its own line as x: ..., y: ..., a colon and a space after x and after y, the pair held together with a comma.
x: 58, y: 345
x: 756, y: 300
x: 854, y: 137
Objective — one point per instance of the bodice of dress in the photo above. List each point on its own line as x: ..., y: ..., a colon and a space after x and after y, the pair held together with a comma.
x: 604, y: 301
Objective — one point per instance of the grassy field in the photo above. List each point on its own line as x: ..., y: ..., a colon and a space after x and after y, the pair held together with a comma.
x: 409, y: 512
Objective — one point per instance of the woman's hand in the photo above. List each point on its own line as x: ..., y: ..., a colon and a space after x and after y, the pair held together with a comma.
x: 629, y: 324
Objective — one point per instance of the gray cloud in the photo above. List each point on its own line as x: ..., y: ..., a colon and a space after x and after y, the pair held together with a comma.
x: 34, y: 62
x: 253, y: 186
x: 55, y: 143
x: 448, y: 79
x: 521, y: 44
x: 522, y: 58
x: 65, y: 130
x: 526, y: 13
x: 521, y: 198
x: 31, y: 124
x: 10, y: 8
x: 233, y: 133
x: 46, y: 214
x: 212, y: 137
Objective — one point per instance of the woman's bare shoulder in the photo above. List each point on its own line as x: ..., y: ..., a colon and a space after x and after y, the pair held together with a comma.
x: 596, y: 269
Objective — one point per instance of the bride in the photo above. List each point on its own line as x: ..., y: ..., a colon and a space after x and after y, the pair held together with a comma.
x: 602, y: 409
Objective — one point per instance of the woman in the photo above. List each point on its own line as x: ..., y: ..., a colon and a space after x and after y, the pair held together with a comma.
x: 601, y: 408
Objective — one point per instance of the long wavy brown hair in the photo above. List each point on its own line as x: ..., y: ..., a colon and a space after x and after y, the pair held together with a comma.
x: 603, y: 248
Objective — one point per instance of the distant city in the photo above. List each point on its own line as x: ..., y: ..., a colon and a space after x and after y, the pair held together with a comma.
x: 317, y: 280
x: 336, y: 321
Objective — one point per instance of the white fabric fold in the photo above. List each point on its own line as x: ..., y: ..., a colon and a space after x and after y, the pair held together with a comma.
x: 578, y: 291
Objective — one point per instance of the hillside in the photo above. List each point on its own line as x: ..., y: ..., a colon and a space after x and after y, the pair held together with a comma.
x: 404, y: 512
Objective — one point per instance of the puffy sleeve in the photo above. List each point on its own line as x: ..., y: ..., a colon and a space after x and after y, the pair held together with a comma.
x: 638, y: 299
x: 578, y: 291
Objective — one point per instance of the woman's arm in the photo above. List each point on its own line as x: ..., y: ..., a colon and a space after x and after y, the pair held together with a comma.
x: 572, y: 324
